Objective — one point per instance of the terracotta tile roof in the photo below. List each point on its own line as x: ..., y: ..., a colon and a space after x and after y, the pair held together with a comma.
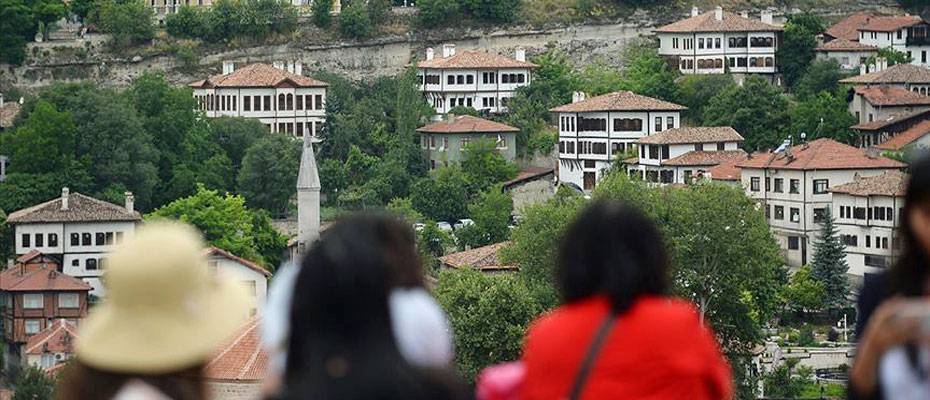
x: 848, y: 28
x: 898, y: 73
x: 619, y: 101
x: 906, y: 137
x: 890, y: 23
x: 688, y: 134
x: 891, y: 96
x: 705, y: 158
x: 729, y: 23
x: 888, y: 183
x: 466, y: 124
x: 216, y: 251
x: 482, y: 258
x: 8, y: 112
x: 845, y: 45
x: 474, y: 59
x: 56, y: 338
x: 258, y: 75
x: 527, y: 174
x: 32, y: 254
x: 18, y: 279
x: 882, y: 123
x: 81, y: 208
x: 821, y: 154
x: 241, y: 358
x: 727, y: 170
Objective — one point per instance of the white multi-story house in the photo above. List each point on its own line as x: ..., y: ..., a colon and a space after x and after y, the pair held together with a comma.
x: 719, y: 42
x: 867, y: 213
x: 472, y: 78
x: 904, y: 76
x: 793, y: 187
x: 253, y: 276
x: 78, y: 230
x: 876, y: 133
x: 593, y: 131
x: 875, y: 103
x: 279, y: 96
x: 905, y: 33
x: 916, y: 137
x: 850, y: 55
x: 681, y: 155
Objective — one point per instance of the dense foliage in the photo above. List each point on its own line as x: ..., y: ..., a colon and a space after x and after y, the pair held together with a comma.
x: 435, y: 13
x: 757, y: 110
x: 226, y: 20
x: 130, y: 22
x: 17, y: 27
x: 34, y: 383
x: 829, y: 265
x: 796, y: 50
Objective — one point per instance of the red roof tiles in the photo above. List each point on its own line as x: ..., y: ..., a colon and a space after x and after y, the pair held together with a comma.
x: 474, y: 59
x: 697, y: 134
x: 705, y: 158
x: 821, y: 154
x: 241, y: 358
x: 619, y: 101
x: 845, y: 45
x: 216, y: 251
x: 891, y: 96
x: 483, y: 258
x: 19, y: 279
x: 8, y: 113
x: 882, y: 123
x: 528, y: 174
x: 81, y: 208
x: 898, y: 73
x: 888, y: 183
x: 258, y: 75
x: 848, y: 28
x: 890, y: 23
x: 55, y: 338
x: 727, y: 170
x: 908, y: 136
x: 707, y: 22
x: 466, y: 124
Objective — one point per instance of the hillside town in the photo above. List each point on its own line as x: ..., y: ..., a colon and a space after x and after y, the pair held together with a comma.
x: 775, y: 160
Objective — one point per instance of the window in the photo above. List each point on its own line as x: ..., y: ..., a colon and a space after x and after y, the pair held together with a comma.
x: 281, y: 102
x: 75, y: 239
x: 701, y: 43
x: 318, y: 102
x: 741, y: 62
x: 599, y: 148
x: 868, y: 241
x: 885, y: 243
x: 795, y: 214
x: 658, y: 124
x: 768, y: 184
x: 717, y: 43
x: 33, y: 326
x: 75, y: 263
x: 85, y: 239
x: 451, y: 80
x: 628, y: 124
x: 268, y: 103
x: 26, y: 240
x: 820, y: 215
x: 875, y: 261
x: 859, y: 213
x: 299, y: 101
x: 821, y: 186
x: 469, y: 79
x: 109, y: 238
x: 850, y: 240
x: 33, y: 300
x: 754, y: 184
x: 794, y: 186
x: 68, y: 300
x: 737, y: 42
x: 794, y: 242
x: 592, y: 124
x: 100, y: 238
x: 669, y: 122
x: 40, y: 240
x: 653, y: 152
x: 665, y: 152
x: 768, y: 211
x: 460, y: 79
x: 779, y: 185
x: 90, y: 264
x: 779, y: 212
x: 616, y: 148
x: 699, y: 147
x: 721, y: 146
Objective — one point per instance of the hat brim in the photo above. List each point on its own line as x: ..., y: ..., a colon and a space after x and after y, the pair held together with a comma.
x: 162, y: 341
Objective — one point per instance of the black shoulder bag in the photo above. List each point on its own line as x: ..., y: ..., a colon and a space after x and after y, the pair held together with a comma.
x: 591, y: 356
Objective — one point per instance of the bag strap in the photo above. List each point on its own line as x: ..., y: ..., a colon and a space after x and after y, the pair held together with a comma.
x: 591, y: 356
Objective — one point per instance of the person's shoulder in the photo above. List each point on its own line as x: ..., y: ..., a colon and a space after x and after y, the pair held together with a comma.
x: 662, y: 308
x: 568, y: 315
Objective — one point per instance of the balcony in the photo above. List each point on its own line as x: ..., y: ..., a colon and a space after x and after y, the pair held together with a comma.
x: 918, y: 41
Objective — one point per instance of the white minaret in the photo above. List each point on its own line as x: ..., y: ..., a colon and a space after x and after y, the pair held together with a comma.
x: 308, y: 196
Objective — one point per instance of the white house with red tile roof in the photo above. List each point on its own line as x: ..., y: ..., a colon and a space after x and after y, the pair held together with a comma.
x: 444, y: 141
x: 873, y: 103
x: 681, y: 155
x: 848, y: 27
x: 593, y: 131
x: 847, y: 53
x: 253, y: 276
x: 718, y: 42
x: 793, y: 187
x: 868, y: 215
x: 238, y: 368
x: 916, y: 137
x: 51, y: 347
x: 76, y: 229
x: 472, y: 78
x: 277, y: 95
x: 905, y: 33
x: 911, y: 77
x: 877, y: 132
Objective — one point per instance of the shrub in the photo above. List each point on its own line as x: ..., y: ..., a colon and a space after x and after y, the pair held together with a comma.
x: 129, y: 22
x: 321, y: 13
x: 354, y: 21
x: 433, y: 13
x: 188, y: 23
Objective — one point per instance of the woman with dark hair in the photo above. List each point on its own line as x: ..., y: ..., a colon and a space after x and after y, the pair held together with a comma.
x: 618, y: 334
x: 894, y: 315
x: 342, y: 344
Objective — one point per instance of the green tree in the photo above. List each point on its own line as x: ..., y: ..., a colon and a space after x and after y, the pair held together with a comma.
x: 83, y: 8
x: 787, y: 381
x: 599, y: 78
x: 757, y: 110
x: 489, y: 315
x: 820, y: 76
x: 47, y: 13
x: 17, y: 26
x: 6, y: 238
x: 796, y: 50
x: 44, y: 142
x: 321, y: 13
x: 484, y: 166
x: 269, y: 173
x: 236, y: 135
x: 804, y: 293
x: 893, y: 56
x: 129, y: 22
x: 189, y: 22
x: 697, y: 90
x: 553, y: 83
x: 33, y: 384
x: 491, y: 213
x: 433, y: 13
x: 829, y: 264
x: 354, y: 21
x: 403, y: 207
x: 443, y: 196
x: 378, y: 11
x: 647, y: 74
x: 822, y: 115
x: 492, y: 10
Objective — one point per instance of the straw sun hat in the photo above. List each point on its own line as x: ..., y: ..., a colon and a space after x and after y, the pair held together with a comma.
x: 164, y: 311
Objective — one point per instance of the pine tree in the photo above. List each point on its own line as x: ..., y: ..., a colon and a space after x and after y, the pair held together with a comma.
x: 829, y: 265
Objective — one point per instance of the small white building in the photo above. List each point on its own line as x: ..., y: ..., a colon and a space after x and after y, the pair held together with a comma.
x: 719, y: 42
x: 905, y: 33
x: 77, y: 229
x: 593, y: 132
x: 683, y: 155
x: 848, y: 54
x: 472, y: 78
x: 905, y: 76
x: 874, y: 103
x: 279, y: 96
x: 793, y: 188
x: 868, y: 214
x: 253, y: 276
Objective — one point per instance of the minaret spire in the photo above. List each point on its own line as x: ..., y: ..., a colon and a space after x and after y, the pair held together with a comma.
x: 308, y: 195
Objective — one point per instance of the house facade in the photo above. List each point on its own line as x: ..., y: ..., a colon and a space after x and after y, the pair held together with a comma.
x: 876, y: 133
x: 875, y: 103
x: 251, y: 275
x: 593, y: 132
x: 904, y: 76
x: 279, y: 96
x: 531, y: 186
x: 683, y: 155
x: 472, y: 78
x: 868, y: 214
x: 78, y: 230
x: 850, y: 55
x: 444, y: 141
x: 905, y: 33
x: 793, y: 188
x: 719, y: 42
x: 913, y: 139
x: 51, y: 348
x: 238, y: 368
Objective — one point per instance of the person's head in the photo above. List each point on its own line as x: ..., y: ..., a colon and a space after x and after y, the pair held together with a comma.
x: 910, y: 273
x: 612, y: 249
x: 162, y: 317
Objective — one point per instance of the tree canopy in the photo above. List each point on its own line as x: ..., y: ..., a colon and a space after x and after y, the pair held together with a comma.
x: 757, y: 110
x: 829, y: 265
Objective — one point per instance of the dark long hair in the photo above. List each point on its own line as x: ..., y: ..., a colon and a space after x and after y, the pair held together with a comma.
x: 341, y: 342
x: 612, y: 249
x: 909, y: 275
x: 82, y: 382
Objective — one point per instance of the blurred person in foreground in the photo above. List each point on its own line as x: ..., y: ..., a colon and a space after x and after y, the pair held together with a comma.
x: 893, y: 330
x: 343, y: 343
x: 163, y: 317
x: 618, y: 335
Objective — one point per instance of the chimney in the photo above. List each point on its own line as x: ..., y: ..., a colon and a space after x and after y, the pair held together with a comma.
x: 1, y: 99
x: 278, y: 64
x: 718, y: 13
x: 695, y: 11
x: 65, y: 194
x: 298, y: 67
x: 884, y: 63
x: 450, y: 118
x: 767, y: 16
x: 130, y: 202
x: 520, y: 54
x: 448, y: 50
x: 228, y: 67
x: 290, y: 67
x: 429, y: 53
x: 577, y: 97
x: 862, y: 69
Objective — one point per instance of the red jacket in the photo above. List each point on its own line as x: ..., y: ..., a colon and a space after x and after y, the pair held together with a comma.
x: 658, y: 349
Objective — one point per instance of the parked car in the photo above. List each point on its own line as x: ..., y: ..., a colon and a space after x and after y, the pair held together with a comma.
x: 463, y: 223
x: 444, y: 226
